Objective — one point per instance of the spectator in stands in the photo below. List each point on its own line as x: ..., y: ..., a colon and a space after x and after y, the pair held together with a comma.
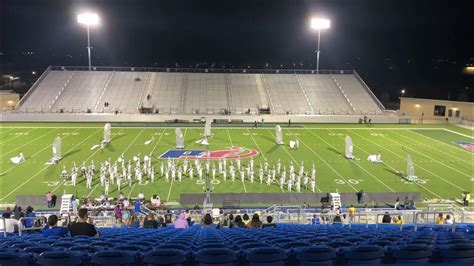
x: 168, y: 217
x: 207, y: 221
x: 315, y: 220
x: 161, y: 222
x: 181, y: 222
x: 352, y: 211
x: 246, y: 219
x: 223, y: 220
x: 30, y: 214
x: 49, y: 198
x: 11, y: 225
x: 137, y: 207
x: 52, y: 228
x: 74, y: 205
x: 196, y: 207
x: 150, y: 221
x: 386, y: 219
x: 238, y: 223
x: 448, y: 220
x: 82, y: 227
x: 398, y: 220
x: 141, y: 196
x: 230, y: 221
x: 439, y: 219
x: 118, y: 213
x: 255, y: 222
x: 269, y: 222
x: 305, y: 205
x: 17, y: 212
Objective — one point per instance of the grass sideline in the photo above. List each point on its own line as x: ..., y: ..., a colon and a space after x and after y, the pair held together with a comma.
x: 444, y: 168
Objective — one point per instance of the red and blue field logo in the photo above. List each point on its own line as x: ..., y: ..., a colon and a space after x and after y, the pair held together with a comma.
x: 466, y: 145
x: 231, y: 153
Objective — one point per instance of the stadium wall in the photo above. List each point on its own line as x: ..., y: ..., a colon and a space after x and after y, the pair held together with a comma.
x: 18, y: 117
x: 293, y: 198
x: 425, y: 108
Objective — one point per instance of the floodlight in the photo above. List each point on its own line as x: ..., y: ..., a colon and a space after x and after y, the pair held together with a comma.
x: 320, y: 23
x: 88, y: 19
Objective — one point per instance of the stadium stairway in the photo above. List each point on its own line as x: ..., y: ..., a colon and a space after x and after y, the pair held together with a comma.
x: 287, y: 244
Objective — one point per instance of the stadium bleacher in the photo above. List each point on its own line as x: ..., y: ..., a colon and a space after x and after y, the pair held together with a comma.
x: 78, y: 91
x: 287, y: 244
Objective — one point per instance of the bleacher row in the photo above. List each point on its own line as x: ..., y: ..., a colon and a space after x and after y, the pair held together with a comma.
x: 287, y: 244
x: 199, y: 93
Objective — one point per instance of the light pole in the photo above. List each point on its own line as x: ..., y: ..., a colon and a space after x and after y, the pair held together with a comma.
x: 403, y: 92
x: 319, y: 24
x: 88, y: 19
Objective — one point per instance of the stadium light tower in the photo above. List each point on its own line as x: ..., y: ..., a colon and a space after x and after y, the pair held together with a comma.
x: 403, y: 92
x: 319, y: 24
x: 88, y: 19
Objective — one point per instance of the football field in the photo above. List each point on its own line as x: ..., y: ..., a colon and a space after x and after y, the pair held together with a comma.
x: 443, y: 157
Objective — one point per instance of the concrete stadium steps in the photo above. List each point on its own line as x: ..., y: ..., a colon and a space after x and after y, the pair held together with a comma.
x: 205, y: 93
x: 82, y: 91
x: 324, y: 95
x: 47, y: 90
x: 359, y: 97
x: 286, y: 94
x: 245, y: 93
x: 122, y: 93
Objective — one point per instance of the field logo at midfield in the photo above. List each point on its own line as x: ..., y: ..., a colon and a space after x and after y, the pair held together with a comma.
x: 231, y: 153
x: 466, y: 145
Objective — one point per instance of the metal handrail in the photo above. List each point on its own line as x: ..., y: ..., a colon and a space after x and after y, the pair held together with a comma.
x: 390, y: 213
x: 203, y: 70
x: 453, y: 226
x: 366, y: 87
x: 21, y: 227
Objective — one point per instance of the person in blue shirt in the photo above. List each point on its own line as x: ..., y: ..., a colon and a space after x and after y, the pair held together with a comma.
x: 52, y: 229
x: 29, y: 214
x: 138, y: 207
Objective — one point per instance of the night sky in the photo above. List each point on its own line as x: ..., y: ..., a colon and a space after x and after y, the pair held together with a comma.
x: 422, y: 46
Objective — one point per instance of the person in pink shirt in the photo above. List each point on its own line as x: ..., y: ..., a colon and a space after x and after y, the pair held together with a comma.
x: 181, y: 222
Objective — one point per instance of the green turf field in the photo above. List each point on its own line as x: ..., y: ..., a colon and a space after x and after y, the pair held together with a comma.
x: 444, y: 168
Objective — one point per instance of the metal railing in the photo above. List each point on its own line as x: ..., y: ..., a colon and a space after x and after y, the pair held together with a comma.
x: 35, y: 225
x: 427, y: 215
x: 366, y: 87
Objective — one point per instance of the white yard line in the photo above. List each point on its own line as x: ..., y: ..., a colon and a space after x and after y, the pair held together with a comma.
x: 324, y: 161
x: 156, y: 144
x: 169, y: 191
x: 441, y: 151
x: 17, y: 136
x: 419, y: 166
x: 365, y: 170
x: 35, y: 139
x: 394, y: 169
x: 264, y: 128
x: 460, y: 134
x: 433, y: 159
x: 29, y: 179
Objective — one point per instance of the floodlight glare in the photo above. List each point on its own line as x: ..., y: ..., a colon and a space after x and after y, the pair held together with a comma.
x: 320, y: 23
x: 88, y: 19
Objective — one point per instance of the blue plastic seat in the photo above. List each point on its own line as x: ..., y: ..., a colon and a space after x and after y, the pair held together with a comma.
x: 211, y: 256
x: 165, y: 257
x: 459, y: 254
x: 58, y: 258
x: 112, y: 257
x: 266, y: 256
x: 364, y: 254
x: 412, y: 254
x: 13, y: 258
x: 315, y: 255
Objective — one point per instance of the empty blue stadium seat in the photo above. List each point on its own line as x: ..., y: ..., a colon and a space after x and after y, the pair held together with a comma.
x: 165, y: 257
x: 364, y: 254
x: 266, y: 256
x: 12, y: 258
x: 58, y: 258
x: 315, y: 255
x: 458, y: 254
x: 220, y: 256
x: 112, y: 257
x: 412, y: 253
